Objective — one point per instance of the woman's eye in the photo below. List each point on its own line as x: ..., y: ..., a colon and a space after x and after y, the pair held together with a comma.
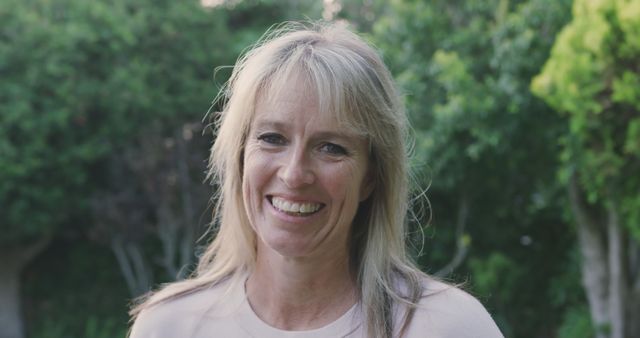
x: 333, y: 149
x: 272, y: 139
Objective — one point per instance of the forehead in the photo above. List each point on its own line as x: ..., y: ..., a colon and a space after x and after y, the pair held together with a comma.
x: 300, y: 94
x: 288, y: 95
x: 294, y: 101
x: 287, y: 90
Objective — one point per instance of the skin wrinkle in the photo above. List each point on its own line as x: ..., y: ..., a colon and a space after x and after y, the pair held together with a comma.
x: 251, y: 145
x: 309, y: 258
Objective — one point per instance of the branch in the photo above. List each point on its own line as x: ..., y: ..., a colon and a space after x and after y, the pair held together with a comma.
x: 125, y: 267
x: 168, y: 235
x: 188, y: 236
x: 132, y: 266
x: 462, y: 242
x: 34, y: 249
x: 17, y: 256
x: 143, y: 273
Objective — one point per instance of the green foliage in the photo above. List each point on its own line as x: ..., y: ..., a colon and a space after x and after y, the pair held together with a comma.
x: 465, y: 67
x: 495, y: 280
x: 467, y: 104
x: 496, y: 272
x: 576, y: 324
x: 81, y: 79
x: 78, y: 80
x: 94, y: 327
x: 75, y: 290
x: 592, y: 76
x: 566, y: 294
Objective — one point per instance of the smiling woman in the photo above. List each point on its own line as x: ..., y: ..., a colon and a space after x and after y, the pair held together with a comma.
x: 311, y: 160
x: 304, y: 177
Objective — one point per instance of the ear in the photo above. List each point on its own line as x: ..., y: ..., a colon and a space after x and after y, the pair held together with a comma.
x: 367, y: 185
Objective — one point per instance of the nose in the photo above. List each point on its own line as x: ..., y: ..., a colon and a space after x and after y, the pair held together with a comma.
x: 296, y: 171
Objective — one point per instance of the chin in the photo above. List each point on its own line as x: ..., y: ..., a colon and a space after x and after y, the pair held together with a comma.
x: 288, y: 247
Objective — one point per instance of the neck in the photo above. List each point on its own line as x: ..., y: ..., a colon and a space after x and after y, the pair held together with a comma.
x: 300, y: 294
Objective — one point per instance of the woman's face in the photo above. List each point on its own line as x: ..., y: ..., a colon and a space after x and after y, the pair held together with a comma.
x: 304, y: 176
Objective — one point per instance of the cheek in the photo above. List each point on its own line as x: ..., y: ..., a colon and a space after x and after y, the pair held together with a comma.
x: 254, y: 180
x: 252, y: 176
x: 344, y: 182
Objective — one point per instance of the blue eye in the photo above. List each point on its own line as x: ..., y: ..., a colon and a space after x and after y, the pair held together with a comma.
x: 333, y: 149
x: 272, y: 139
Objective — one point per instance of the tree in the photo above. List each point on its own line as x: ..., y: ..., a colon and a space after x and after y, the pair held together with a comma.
x: 153, y: 189
x: 489, y: 144
x: 593, y: 78
x: 100, y: 130
x: 49, y: 131
x: 154, y: 192
x: 79, y: 80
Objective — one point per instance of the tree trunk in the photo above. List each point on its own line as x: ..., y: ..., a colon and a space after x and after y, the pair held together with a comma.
x: 618, y: 279
x: 14, y: 259
x: 594, y: 267
x: 632, y: 315
x: 610, y: 271
x: 11, y: 325
x: 633, y: 304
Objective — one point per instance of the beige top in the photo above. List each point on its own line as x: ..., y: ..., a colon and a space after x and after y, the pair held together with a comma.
x: 223, y: 311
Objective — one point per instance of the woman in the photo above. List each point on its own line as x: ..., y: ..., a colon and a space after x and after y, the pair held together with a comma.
x: 312, y: 167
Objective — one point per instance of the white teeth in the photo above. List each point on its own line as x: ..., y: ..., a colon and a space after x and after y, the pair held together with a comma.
x: 288, y: 206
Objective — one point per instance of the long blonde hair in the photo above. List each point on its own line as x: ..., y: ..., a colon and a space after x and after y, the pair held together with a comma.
x: 352, y: 82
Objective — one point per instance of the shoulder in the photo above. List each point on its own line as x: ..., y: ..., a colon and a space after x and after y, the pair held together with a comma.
x: 445, y: 311
x: 178, y: 316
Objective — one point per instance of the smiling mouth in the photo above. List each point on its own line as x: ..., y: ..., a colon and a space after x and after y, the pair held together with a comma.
x: 294, y: 208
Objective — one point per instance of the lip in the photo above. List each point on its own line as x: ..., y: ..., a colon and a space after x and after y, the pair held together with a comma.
x: 290, y: 218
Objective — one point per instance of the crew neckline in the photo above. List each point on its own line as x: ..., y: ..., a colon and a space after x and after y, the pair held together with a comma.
x: 344, y: 326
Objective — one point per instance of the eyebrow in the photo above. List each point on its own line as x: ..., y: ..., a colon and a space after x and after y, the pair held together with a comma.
x: 323, y: 134
x: 262, y: 124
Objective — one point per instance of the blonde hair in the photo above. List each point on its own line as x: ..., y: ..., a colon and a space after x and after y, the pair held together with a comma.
x: 352, y: 82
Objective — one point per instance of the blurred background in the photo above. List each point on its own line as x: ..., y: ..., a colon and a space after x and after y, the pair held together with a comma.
x: 525, y: 114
